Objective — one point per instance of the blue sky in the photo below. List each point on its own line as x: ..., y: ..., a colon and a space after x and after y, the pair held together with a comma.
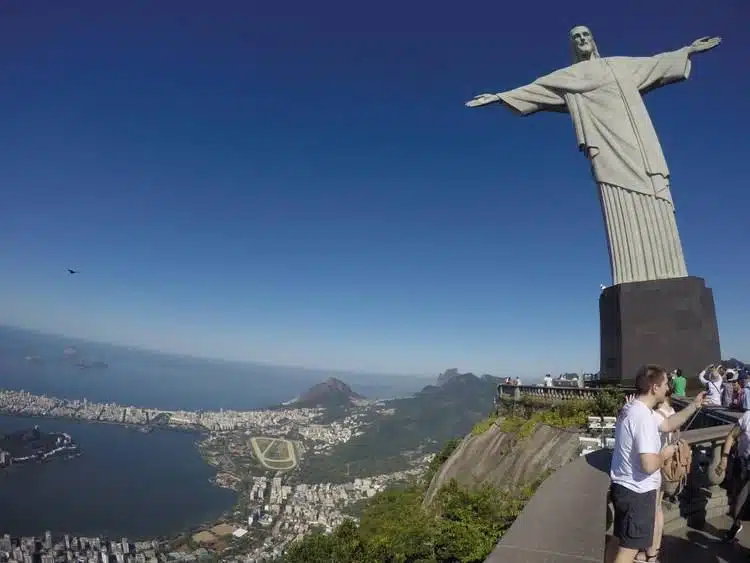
x: 300, y: 183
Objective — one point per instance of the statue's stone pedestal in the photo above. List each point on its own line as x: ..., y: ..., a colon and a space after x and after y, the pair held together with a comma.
x: 668, y: 322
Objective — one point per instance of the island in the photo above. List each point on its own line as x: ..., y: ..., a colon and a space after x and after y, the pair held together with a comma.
x: 32, y: 444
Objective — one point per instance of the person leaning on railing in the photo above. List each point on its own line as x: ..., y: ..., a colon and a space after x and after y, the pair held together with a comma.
x: 740, y: 434
x: 664, y: 412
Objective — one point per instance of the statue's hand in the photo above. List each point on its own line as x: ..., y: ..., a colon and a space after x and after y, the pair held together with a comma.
x: 482, y: 100
x: 704, y: 44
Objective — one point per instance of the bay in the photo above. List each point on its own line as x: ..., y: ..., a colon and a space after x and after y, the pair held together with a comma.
x: 126, y: 483
x: 129, y: 483
x: 151, y: 379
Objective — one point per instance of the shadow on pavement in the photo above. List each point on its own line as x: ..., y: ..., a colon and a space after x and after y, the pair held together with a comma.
x: 698, y: 547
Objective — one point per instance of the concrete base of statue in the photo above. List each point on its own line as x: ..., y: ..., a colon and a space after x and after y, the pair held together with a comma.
x: 670, y: 322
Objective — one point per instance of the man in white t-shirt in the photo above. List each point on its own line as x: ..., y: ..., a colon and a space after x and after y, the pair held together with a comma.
x: 739, y: 434
x: 636, y: 466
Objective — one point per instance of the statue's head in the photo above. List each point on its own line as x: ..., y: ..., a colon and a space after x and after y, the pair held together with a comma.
x: 583, y: 44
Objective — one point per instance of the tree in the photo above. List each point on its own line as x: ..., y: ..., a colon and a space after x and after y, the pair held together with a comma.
x: 397, y: 529
x: 343, y: 546
x: 462, y: 525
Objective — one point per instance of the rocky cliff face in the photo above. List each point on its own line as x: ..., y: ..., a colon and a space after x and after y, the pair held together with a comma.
x: 502, y: 460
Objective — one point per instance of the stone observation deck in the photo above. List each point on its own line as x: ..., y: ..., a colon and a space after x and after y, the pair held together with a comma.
x: 568, y: 519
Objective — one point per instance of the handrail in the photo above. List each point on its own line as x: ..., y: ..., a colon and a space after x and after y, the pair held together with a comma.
x: 708, y: 434
x: 515, y: 392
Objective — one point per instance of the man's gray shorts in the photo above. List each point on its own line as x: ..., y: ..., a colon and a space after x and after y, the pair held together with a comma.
x: 635, y: 515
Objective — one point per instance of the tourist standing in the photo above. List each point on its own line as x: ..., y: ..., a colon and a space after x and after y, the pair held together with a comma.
x: 714, y: 384
x: 663, y: 412
x: 636, y: 466
x: 636, y: 463
x: 728, y: 394
x: 679, y: 383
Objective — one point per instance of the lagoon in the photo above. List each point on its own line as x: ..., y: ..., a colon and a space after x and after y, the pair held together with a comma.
x: 126, y: 483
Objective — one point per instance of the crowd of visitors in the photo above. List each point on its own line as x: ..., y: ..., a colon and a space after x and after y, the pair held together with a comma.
x: 726, y: 387
x: 645, y: 444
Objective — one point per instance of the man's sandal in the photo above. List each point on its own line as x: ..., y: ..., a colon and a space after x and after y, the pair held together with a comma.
x: 645, y: 558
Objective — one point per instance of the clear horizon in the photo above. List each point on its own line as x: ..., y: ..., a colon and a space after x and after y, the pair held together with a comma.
x: 304, y: 187
x: 256, y: 363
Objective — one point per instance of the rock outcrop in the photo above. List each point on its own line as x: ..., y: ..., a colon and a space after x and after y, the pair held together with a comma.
x: 503, y: 460
x: 330, y: 393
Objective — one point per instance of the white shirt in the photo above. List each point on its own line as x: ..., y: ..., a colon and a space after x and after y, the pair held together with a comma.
x: 636, y: 433
x: 743, y: 446
x: 662, y: 414
x: 548, y: 381
x: 714, y: 389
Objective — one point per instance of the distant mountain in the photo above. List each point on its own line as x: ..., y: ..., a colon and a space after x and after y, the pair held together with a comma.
x: 453, y: 375
x: 734, y: 363
x: 330, y: 393
x: 447, y: 375
x: 421, y: 423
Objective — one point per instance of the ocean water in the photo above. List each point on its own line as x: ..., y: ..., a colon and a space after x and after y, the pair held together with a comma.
x: 150, y: 379
x: 126, y: 483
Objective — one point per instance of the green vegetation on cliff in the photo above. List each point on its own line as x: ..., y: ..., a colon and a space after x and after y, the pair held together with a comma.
x: 483, y: 425
x: 461, y: 526
x: 522, y: 417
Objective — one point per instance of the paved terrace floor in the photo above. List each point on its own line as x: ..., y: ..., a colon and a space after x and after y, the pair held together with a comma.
x: 705, y: 546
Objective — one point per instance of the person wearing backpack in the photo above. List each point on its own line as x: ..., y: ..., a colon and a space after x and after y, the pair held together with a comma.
x: 637, y: 462
x: 674, y: 472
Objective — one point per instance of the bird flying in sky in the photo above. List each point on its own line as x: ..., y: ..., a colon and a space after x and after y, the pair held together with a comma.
x: 72, y: 271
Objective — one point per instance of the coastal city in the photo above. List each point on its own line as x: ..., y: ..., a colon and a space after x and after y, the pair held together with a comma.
x: 279, y: 514
x: 254, y: 453
x: 272, y: 422
x: 72, y: 548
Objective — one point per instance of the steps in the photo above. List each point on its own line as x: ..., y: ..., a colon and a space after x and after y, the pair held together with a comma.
x: 695, y: 508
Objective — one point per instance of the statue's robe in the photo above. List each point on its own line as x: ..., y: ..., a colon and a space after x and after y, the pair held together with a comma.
x: 614, y: 131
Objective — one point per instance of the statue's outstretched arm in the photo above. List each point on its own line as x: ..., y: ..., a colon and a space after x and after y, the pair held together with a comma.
x: 704, y: 44
x: 483, y: 100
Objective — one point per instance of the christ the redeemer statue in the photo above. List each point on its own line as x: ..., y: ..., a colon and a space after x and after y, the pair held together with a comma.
x: 614, y: 131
